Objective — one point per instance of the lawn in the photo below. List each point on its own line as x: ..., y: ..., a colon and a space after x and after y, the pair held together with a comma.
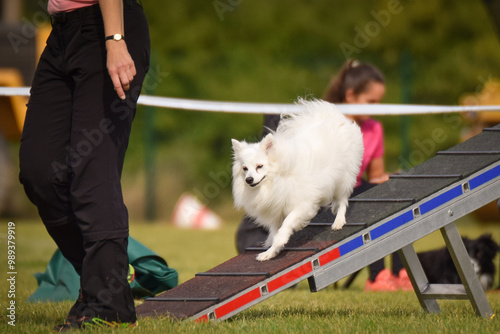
x: 292, y: 311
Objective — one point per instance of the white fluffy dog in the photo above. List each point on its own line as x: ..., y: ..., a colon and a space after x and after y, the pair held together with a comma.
x: 311, y: 161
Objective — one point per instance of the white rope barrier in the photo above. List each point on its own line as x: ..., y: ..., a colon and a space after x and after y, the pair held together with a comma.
x: 14, y: 91
x: 217, y: 106
x: 276, y: 108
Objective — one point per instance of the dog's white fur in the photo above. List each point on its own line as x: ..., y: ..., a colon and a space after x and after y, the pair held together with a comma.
x: 311, y: 161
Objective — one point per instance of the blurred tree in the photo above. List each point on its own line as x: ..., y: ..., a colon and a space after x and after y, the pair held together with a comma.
x: 275, y: 51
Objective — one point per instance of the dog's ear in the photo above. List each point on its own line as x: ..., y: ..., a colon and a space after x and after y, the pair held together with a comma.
x: 268, y: 142
x: 236, y: 145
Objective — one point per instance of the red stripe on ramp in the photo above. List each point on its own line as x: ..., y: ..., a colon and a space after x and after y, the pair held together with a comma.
x: 237, y: 303
x: 329, y: 256
x: 203, y: 318
x: 289, y: 277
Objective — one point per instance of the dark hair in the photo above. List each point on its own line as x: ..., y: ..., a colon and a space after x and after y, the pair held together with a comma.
x: 353, y: 75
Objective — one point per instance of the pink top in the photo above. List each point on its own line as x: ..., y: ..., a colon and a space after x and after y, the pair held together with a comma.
x: 57, y: 6
x: 373, y: 140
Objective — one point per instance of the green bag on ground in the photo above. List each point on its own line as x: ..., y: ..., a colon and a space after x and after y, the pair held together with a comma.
x: 61, y: 282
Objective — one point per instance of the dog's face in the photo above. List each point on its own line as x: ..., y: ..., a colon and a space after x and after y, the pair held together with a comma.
x: 483, y: 249
x: 251, y: 161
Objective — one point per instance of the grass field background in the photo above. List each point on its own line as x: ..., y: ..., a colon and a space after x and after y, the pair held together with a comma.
x: 292, y: 311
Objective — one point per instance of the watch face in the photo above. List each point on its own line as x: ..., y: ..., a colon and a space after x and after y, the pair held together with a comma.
x: 117, y: 37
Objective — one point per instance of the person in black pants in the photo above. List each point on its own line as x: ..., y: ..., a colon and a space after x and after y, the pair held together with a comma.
x: 82, y: 103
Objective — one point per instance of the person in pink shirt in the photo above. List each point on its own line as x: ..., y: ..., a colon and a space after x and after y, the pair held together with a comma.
x: 361, y: 83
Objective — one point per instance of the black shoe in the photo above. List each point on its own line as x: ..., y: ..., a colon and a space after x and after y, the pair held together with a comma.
x: 65, y: 327
x: 72, y: 317
x: 75, y: 310
x: 92, y: 322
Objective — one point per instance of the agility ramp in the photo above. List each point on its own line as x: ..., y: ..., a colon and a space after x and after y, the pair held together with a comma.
x: 383, y: 220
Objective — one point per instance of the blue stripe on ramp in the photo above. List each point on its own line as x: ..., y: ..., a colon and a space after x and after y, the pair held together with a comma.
x: 485, y: 177
x: 441, y: 199
x: 391, y: 224
x: 351, y: 245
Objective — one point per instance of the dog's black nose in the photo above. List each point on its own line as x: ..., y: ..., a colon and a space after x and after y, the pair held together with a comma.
x: 249, y: 180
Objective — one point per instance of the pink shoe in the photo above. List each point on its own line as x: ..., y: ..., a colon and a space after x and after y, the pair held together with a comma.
x: 385, y: 281
x: 404, y: 282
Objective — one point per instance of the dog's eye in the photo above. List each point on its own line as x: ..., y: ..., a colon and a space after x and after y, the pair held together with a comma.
x: 245, y: 169
x: 259, y: 167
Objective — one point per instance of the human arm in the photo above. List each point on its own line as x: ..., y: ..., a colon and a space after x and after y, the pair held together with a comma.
x: 119, y: 63
x: 376, y: 171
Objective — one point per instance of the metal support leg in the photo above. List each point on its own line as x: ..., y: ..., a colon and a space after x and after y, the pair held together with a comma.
x: 465, y: 270
x: 428, y: 294
x: 418, y: 278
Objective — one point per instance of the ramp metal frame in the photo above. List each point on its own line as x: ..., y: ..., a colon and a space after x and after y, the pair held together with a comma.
x: 383, y: 220
x: 437, y: 212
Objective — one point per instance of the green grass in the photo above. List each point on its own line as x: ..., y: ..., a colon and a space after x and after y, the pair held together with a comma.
x: 292, y: 311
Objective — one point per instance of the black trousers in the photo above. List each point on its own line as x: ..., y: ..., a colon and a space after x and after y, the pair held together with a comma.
x: 73, y: 147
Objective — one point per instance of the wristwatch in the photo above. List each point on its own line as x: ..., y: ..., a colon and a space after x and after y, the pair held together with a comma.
x: 115, y: 37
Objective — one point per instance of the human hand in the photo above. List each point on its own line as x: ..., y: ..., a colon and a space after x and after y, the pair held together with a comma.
x: 379, y: 179
x: 120, y: 66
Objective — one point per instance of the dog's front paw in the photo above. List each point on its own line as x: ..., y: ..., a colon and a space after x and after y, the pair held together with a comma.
x: 338, y: 224
x: 267, y: 255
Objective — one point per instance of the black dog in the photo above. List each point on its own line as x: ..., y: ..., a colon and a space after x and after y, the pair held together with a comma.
x: 439, y: 267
